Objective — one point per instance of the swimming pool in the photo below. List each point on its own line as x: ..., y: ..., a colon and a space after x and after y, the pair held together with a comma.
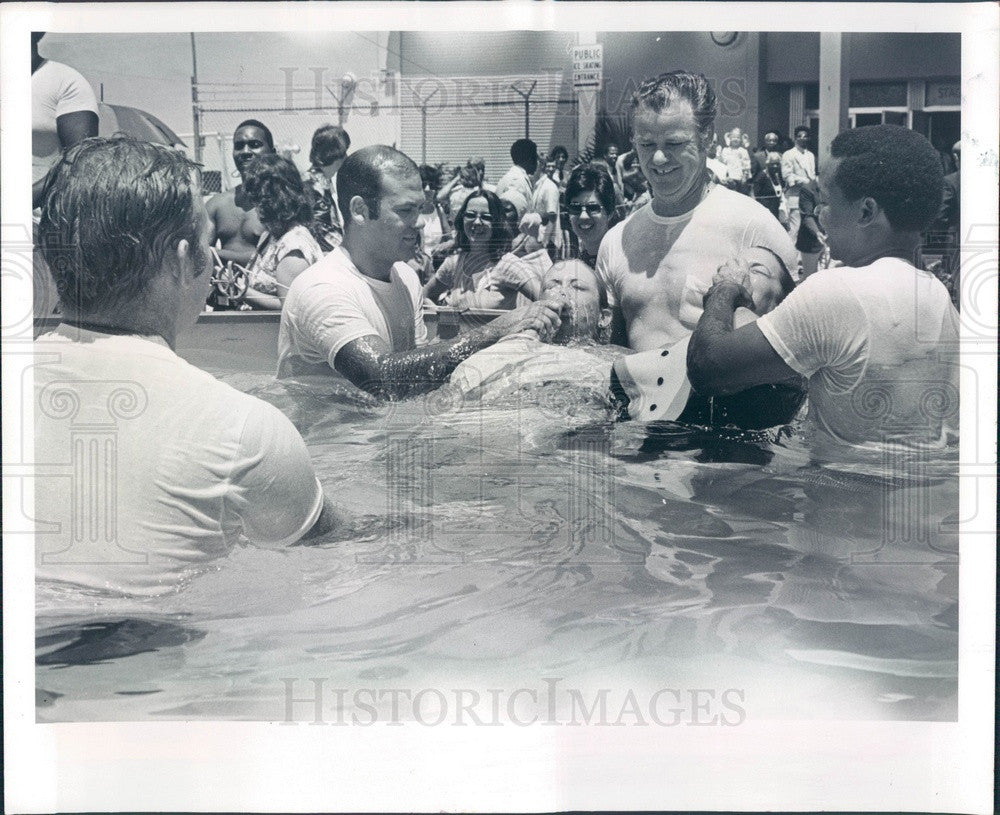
x: 534, y: 550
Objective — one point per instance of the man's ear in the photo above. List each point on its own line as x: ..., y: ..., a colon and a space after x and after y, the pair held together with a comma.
x: 869, y: 212
x: 181, y: 256
x: 359, y: 210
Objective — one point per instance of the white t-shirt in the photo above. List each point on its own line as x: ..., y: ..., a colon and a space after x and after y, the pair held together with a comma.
x: 148, y: 469
x: 519, y: 362
x: 56, y: 90
x: 658, y: 269
x: 331, y: 304
x: 879, y: 345
x: 545, y: 199
x: 515, y: 186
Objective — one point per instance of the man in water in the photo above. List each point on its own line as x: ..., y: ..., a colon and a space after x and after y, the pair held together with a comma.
x: 164, y: 469
x: 659, y: 263
x: 233, y: 218
x: 876, y: 338
x: 359, y: 311
x: 650, y: 385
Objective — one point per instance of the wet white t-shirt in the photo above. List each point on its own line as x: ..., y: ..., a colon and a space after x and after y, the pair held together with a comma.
x: 56, y: 90
x: 148, y: 470
x: 657, y: 269
x: 332, y: 303
x: 879, y: 345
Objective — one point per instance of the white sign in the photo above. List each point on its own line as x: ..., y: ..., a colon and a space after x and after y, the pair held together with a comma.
x: 588, y: 67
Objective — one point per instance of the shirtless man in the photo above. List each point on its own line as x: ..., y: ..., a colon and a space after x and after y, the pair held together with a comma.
x: 233, y: 219
x: 658, y: 265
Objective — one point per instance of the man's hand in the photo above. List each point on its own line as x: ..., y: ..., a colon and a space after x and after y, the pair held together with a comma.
x: 542, y: 316
x: 730, y: 290
x: 736, y: 270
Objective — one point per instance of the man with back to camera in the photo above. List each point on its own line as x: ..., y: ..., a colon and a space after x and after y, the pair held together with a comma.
x: 196, y: 467
x: 877, y: 338
x: 517, y: 184
x: 798, y: 168
x: 232, y: 215
x: 359, y: 311
x: 659, y: 263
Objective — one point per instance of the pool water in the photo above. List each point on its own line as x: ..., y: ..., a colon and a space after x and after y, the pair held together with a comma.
x: 533, y: 544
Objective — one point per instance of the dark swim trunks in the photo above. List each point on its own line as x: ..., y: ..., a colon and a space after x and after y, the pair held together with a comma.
x: 653, y: 386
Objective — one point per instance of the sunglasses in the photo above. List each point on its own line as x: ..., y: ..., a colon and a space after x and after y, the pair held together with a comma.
x: 592, y: 209
x: 485, y: 217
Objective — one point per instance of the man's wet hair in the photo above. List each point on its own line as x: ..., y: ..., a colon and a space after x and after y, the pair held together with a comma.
x: 362, y: 173
x: 329, y: 143
x: 593, y: 178
x: 658, y: 92
x: 523, y: 150
x: 275, y: 187
x: 894, y: 165
x: 115, y: 209
x: 260, y: 126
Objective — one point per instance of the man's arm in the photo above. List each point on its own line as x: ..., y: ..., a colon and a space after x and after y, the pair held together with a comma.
x: 371, y: 364
x: 721, y: 360
x: 72, y: 128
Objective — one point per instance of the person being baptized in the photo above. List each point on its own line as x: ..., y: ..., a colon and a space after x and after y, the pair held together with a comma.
x: 645, y: 386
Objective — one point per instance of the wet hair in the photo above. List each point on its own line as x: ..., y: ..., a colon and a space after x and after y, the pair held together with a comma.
x: 661, y: 91
x: 260, y: 126
x: 602, y: 289
x: 115, y: 209
x: 499, y: 238
x: 894, y: 165
x: 274, y: 185
x: 593, y: 178
x: 523, y: 150
x: 362, y: 173
x: 430, y: 176
x: 326, y: 141
x: 802, y: 129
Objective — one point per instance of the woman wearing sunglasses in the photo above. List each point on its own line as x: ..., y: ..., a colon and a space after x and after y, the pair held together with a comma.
x: 591, y: 206
x: 473, y: 275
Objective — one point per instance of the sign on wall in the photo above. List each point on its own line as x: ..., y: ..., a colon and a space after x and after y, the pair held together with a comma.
x: 588, y: 67
x: 943, y: 93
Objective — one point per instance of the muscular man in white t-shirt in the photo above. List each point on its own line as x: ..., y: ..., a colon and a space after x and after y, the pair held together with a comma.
x: 876, y: 338
x: 358, y: 311
x: 148, y: 469
x: 659, y: 263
